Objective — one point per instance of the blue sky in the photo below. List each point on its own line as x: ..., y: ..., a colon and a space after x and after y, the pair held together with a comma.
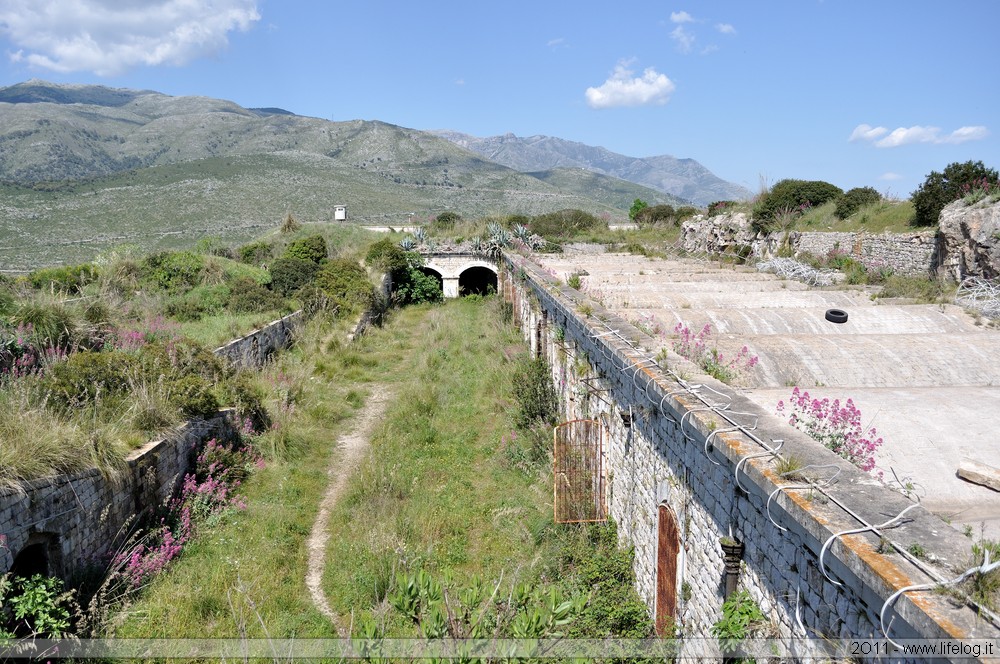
x: 858, y: 93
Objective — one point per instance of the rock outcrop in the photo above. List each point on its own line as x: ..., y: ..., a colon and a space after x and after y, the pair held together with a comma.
x: 969, y: 241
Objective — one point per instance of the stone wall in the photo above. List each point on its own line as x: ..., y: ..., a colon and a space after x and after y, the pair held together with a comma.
x: 698, y: 447
x: 80, y: 518
x: 252, y: 350
x: 969, y: 244
x: 912, y: 254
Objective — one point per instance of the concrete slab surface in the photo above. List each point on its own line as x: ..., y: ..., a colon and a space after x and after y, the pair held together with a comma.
x: 926, y: 376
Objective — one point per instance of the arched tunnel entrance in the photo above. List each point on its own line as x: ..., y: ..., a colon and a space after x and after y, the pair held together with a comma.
x: 430, y: 272
x: 477, y: 281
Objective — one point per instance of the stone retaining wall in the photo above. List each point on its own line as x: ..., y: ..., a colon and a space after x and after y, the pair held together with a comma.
x: 252, y: 350
x: 668, y: 443
x: 82, y: 517
x: 79, y: 518
x: 911, y: 254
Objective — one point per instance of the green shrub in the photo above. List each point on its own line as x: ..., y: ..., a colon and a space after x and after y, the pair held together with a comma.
x: 720, y: 207
x: 638, y: 205
x: 197, y: 302
x: 289, y: 275
x: 87, y: 375
x: 192, y: 395
x: 447, y: 219
x: 924, y: 289
x: 256, y: 253
x: 172, y: 271
x: 685, y: 212
x: 386, y: 256
x: 413, y: 286
x: 70, y: 278
x: 213, y: 246
x: 565, y: 224
x: 603, y: 569
x: 655, y: 214
x: 248, y: 296
x: 312, y: 248
x: 347, y: 285
x: 939, y: 189
x: 38, y: 607
x: 791, y: 196
x: 856, y: 199
x: 535, y: 394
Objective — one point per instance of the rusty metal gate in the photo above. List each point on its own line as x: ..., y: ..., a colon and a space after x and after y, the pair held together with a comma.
x: 578, y: 472
x: 667, y: 550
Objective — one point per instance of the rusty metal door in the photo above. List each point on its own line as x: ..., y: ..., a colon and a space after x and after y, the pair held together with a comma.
x: 667, y: 550
x: 578, y: 471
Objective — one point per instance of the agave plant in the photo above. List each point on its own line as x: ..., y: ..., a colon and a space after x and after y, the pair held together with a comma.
x: 407, y: 244
x: 522, y: 233
x: 477, y: 244
x: 420, y: 235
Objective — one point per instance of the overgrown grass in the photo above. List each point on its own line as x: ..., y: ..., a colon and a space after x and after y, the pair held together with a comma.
x: 881, y: 217
x: 921, y: 289
x: 448, y: 487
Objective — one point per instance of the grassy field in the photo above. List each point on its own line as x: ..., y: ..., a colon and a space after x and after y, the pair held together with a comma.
x: 446, y: 489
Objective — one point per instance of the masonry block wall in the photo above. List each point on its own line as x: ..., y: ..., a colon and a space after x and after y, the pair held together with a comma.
x: 78, y: 519
x: 665, y: 444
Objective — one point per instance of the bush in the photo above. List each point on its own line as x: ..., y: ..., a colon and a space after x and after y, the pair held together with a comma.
x: 791, y: 196
x: 312, y: 248
x: 655, y: 214
x: 248, y: 296
x: 172, y: 271
x: 939, y: 189
x: 70, y: 278
x: 347, y: 285
x: 413, y: 286
x: 685, y: 212
x: 638, y: 205
x: 198, y: 302
x: 537, y: 401
x: 256, y: 253
x: 386, y: 255
x: 720, y: 207
x: 854, y: 200
x: 86, y: 375
x: 192, y: 395
x: 565, y: 224
x: 447, y: 219
x: 289, y: 275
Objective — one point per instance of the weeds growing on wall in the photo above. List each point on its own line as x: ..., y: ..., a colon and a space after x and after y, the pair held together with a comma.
x: 838, y: 426
x: 695, y: 348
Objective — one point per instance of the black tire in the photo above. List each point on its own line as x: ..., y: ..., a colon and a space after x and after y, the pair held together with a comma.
x: 836, y: 315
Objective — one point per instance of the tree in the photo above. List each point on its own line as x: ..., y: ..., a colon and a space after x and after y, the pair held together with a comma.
x: 637, y: 206
x: 939, y: 189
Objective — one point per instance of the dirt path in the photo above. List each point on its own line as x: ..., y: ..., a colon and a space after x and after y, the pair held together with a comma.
x: 353, y: 447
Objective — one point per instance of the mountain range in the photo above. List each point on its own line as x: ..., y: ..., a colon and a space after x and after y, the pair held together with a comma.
x: 683, y: 179
x: 85, y: 166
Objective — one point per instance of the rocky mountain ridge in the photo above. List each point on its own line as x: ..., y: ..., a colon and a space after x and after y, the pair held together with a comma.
x: 683, y: 179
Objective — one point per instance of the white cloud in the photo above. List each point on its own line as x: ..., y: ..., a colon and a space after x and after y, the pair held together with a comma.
x: 865, y: 132
x: 916, y: 134
x: 683, y: 38
x: 681, y: 17
x: 890, y: 176
x: 109, y: 37
x: 963, y: 134
x: 711, y: 48
x: 556, y: 43
x: 625, y: 89
x: 908, y: 135
x: 725, y: 28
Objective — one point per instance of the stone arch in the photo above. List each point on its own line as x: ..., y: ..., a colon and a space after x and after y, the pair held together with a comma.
x: 432, y: 272
x: 668, y: 553
x: 477, y: 280
x: 39, y: 555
